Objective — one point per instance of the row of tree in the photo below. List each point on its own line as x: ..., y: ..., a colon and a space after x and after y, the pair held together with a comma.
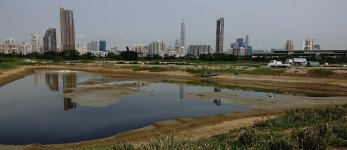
x: 73, y: 55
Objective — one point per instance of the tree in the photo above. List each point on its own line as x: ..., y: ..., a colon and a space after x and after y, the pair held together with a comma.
x: 69, y: 54
x: 129, y: 55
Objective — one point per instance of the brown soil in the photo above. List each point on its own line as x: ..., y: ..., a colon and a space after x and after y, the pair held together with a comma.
x: 183, y: 128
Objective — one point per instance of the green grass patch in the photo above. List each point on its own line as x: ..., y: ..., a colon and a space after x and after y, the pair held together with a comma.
x: 256, y: 71
x: 151, y: 68
x: 7, y: 65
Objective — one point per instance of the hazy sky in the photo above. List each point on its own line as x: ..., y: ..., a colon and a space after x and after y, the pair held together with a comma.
x: 269, y: 23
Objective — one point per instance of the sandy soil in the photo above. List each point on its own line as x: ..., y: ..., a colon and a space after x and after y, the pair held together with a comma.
x: 99, y: 96
x: 199, y: 127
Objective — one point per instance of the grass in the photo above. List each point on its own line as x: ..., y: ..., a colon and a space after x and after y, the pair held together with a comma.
x: 150, y: 68
x: 7, y: 65
x: 312, y: 128
x: 256, y: 71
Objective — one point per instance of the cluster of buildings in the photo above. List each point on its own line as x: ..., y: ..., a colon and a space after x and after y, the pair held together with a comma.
x: 241, y: 47
x: 49, y: 39
x: 307, y: 45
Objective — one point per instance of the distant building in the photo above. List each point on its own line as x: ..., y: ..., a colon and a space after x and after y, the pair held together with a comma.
x: 239, y: 43
x: 67, y: 29
x: 157, y: 48
x: 220, y: 35
x: 24, y: 48
x: 92, y: 46
x: 50, y: 40
x: 289, y: 45
x: 241, y: 47
x: 142, y: 50
x: 183, y: 34
x: 81, y: 50
x: 199, y: 49
x: 35, y: 43
x: 102, y: 46
x: 241, y: 51
x: 9, y: 46
x: 177, y: 44
x: 308, y: 44
x: 246, y: 42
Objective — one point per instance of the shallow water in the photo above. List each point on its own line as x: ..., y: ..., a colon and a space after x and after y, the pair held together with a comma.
x: 33, y: 109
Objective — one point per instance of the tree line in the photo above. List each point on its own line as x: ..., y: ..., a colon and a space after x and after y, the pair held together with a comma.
x: 73, y: 55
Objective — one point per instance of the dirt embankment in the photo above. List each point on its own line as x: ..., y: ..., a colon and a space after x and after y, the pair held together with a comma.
x: 199, y: 127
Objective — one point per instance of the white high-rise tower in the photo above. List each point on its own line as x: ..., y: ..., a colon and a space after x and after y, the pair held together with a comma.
x: 35, y: 43
x: 183, y: 34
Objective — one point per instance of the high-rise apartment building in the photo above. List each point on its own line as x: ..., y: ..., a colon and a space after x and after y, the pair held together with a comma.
x: 199, y: 49
x: 142, y: 50
x: 183, y: 34
x: 24, y: 48
x: 102, y: 45
x: 67, y: 29
x: 50, y: 40
x: 289, y: 45
x: 157, y: 48
x: 35, y: 43
x: 220, y: 35
x: 92, y: 46
x: 308, y: 44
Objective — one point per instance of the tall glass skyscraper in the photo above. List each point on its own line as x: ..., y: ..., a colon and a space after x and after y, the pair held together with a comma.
x: 67, y: 29
x: 183, y: 34
x: 102, y: 45
x: 220, y: 35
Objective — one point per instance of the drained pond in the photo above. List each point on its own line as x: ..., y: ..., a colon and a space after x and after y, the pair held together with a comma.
x: 50, y: 107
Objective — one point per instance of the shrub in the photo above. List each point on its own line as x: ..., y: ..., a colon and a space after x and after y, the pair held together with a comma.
x: 314, y: 138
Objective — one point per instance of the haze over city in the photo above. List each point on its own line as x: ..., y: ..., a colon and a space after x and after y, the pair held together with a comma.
x: 269, y: 23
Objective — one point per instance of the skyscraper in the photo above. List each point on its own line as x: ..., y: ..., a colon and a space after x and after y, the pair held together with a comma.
x: 247, y: 41
x: 289, y: 45
x: 35, y: 43
x: 183, y: 34
x: 220, y: 35
x: 102, y: 45
x: 67, y: 29
x: 50, y: 40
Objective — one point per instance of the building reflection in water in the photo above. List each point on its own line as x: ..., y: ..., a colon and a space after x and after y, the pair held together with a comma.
x: 52, y: 81
x: 69, y: 82
x: 181, y: 92
x: 218, y: 102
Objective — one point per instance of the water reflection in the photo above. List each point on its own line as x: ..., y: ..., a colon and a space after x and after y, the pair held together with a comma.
x: 69, y: 82
x: 52, y: 81
x: 218, y: 101
x: 181, y: 92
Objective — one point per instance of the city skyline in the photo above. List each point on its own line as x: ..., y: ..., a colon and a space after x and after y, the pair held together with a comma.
x: 270, y: 26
